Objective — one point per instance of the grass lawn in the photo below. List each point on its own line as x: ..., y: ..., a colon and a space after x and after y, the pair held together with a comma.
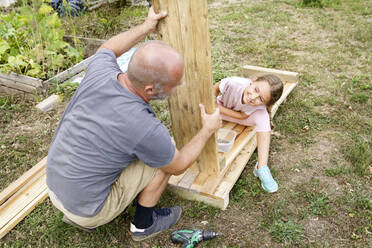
x: 321, y: 153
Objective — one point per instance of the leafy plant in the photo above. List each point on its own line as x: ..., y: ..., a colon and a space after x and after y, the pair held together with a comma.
x: 32, y: 43
x: 66, y: 89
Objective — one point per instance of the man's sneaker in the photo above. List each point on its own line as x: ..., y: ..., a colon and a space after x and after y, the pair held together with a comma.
x: 267, y: 181
x: 163, y: 219
x: 68, y: 221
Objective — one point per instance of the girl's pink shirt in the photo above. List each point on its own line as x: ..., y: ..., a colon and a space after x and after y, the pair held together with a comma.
x: 232, y: 89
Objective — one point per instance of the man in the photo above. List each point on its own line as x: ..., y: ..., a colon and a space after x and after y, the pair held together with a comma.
x: 109, y: 147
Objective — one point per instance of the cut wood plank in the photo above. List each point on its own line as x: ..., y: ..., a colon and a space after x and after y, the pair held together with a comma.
x: 20, y: 191
x: 236, y: 169
x: 16, y: 185
x: 250, y: 71
x: 176, y: 179
x: 188, y: 179
x: 186, y: 23
x: 197, y: 196
x: 239, y: 129
x: 17, y: 204
x: 228, y: 125
x: 213, y: 182
x: 287, y: 89
x: 239, y: 143
x: 25, y: 211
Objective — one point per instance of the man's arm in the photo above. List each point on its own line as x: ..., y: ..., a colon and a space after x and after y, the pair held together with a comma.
x: 188, y: 154
x: 122, y: 42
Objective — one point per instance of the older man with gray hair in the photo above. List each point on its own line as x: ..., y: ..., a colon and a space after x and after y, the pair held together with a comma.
x: 109, y: 148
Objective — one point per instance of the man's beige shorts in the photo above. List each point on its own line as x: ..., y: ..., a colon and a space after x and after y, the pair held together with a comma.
x: 131, y: 182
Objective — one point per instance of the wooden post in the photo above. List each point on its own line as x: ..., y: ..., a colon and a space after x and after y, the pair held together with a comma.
x: 186, y: 30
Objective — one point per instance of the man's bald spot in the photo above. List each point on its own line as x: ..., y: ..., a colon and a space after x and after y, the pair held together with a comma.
x: 155, y: 62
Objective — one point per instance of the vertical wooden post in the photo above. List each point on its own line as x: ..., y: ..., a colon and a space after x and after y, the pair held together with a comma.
x: 186, y: 30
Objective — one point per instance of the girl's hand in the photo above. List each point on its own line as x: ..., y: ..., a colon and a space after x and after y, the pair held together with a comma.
x: 211, y: 122
x: 153, y: 19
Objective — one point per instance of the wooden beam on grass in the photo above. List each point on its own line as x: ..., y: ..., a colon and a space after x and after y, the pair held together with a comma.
x: 27, y: 198
x: 16, y: 185
x: 186, y: 30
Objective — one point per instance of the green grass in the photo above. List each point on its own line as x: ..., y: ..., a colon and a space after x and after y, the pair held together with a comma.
x: 358, y: 153
x: 318, y: 203
x: 286, y: 232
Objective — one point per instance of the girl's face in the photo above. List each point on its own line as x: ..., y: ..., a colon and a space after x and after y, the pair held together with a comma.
x: 257, y: 93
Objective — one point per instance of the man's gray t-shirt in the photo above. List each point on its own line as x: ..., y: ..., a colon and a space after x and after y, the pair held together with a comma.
x: 104, y: 128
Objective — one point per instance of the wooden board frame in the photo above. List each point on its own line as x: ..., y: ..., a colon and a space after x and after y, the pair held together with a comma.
x: 199, y: 186
x: 13, y: 83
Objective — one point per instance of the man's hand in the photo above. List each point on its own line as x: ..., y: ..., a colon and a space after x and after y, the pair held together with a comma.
x: 184, y: 158
x: 153, y: 19
x: 211, y: 122
x: 121, y: 43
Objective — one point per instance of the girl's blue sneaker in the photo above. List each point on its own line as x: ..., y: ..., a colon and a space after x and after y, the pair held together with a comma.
x: 267, y: 181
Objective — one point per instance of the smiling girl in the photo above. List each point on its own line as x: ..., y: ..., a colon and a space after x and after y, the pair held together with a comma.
x: 248, y: 102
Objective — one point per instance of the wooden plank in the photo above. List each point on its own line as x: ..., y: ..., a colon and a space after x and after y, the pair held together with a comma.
x: 17, y: 204
x: 176, y: 179
x: 239, y: 129
x: 197, y: 196
x: 239, y: 144
x: 27, y: 176
x: 20, y: 191
x: 4, y: 90
x: 287, y: 89
x: 25, y: 211
x: 288, y: 76
x: 188, y: 179
x: 17, y: 86
x: 183, y: 29
x: 220, y: 197
x: 18, y: 78
x: 63, y: 76
x: 213, y: 182
x: 236, y: 169
x: 228, y: 125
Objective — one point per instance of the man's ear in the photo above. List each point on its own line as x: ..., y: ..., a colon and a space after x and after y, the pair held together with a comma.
x: 149, y: 89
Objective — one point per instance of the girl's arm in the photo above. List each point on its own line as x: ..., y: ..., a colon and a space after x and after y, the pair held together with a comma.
x: 232, y: 113
x: 227, y: 111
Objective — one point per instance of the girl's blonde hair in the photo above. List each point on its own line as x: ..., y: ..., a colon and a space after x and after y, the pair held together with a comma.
x: 276, y: 90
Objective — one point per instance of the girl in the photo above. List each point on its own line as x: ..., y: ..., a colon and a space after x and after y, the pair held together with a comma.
x: 248, y: 102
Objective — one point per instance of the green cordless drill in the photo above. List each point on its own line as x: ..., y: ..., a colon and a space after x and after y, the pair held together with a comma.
x: 190, y: 237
